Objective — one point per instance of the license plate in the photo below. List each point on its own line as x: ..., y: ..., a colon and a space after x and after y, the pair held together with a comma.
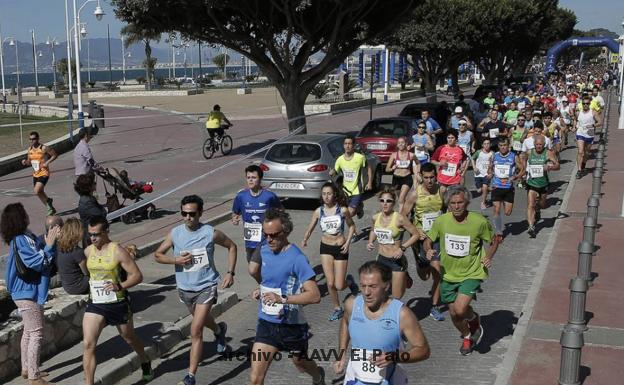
x: 376, y: 146
x: 287, y: 186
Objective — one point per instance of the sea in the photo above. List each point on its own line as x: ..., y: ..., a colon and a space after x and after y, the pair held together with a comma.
x: 47, y: 78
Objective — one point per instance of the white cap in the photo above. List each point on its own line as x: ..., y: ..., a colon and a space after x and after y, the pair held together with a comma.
x: 458, y: 109
x: 564, y: 99
x: 462, y: 121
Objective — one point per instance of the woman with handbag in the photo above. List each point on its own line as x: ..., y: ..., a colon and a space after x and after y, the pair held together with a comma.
x: 27, y: 279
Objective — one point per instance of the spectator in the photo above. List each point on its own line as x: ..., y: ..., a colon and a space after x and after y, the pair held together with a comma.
x: 83, y: 158
x: 28, y: 294
x: 70, y: 260
x: 88, y: 206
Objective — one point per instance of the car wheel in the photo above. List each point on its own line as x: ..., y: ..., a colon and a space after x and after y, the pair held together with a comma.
x: 377, y: 178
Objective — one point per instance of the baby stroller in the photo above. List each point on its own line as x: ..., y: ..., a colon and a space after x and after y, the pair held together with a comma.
x: 120, y: 183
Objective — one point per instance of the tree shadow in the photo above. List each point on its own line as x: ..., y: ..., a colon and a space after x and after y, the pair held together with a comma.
x: 148, y: 297
x: 555, y: 186
x: 496, y: 325
x: 168, y: 280
x: 318, y: 270
x: 249, y: 147
x: 421, y: 306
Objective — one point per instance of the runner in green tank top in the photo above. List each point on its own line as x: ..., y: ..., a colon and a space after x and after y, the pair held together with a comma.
x: 537, y: 164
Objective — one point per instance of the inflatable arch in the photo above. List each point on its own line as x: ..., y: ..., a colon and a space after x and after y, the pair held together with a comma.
x: 555, y: 50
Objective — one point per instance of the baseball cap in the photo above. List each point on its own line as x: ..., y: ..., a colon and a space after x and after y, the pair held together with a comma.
x: 458, y: 109
x: 462, y: 121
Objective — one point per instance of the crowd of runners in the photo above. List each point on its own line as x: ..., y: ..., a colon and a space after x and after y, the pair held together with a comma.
x: 510, y: 141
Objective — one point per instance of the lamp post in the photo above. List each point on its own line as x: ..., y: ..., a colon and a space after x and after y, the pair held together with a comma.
x: 52, y: 43
x: 13, y: 42
x: 2, y: 68
x: 123, y: 60
x: 99, y: 13
x: 34, y: 47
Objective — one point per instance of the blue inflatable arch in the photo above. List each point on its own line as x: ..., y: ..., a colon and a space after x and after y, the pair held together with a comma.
x: 555, y: 50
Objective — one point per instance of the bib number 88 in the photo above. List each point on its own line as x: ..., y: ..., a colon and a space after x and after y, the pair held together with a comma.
x: 368, y: 367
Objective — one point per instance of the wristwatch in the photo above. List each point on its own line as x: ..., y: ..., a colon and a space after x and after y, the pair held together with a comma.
x: 403, y: 248
x: 284, y: 298
x: 230, y: 272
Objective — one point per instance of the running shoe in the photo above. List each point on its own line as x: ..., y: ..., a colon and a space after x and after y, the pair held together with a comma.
x: 436, y: 314
x: 353, y: 287
x: 483, y: 206
x: 466, y: 347
x: 148, y: 372
x: 321, y: 381
x: 337, y: 314
x: 579, y: 174
x: 188, y: 380
x: 531, y: 231
x: 221, y: 343
x: 476, y: 330
x: 51, y: 209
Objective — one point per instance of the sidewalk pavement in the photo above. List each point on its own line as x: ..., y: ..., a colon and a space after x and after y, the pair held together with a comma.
x: 602, y: 356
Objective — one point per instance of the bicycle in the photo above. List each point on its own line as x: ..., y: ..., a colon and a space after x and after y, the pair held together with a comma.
x: 223, y: 142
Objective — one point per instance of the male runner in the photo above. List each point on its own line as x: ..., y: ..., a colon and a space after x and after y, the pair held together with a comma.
x: 350, y: 164
x: 537, y: 163
x: 196, y: 275
x: 502, y: 173
x: 374, y: 324
x: 427, y: 201
x: 585, y: 125
x: 39, y: 157
x: 109, y: 304
x: 250, y: 205
x: 287, y: 283
x: 463, y: 237
x: 215, y: 120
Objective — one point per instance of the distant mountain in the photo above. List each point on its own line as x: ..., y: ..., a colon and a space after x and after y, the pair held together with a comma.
x: 602, y: 32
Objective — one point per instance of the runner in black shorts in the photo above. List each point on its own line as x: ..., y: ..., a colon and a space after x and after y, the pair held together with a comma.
x: 505, y: 168
x: 404, y: 168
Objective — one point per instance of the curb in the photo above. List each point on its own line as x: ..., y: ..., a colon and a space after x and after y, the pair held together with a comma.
x: 117, y: 369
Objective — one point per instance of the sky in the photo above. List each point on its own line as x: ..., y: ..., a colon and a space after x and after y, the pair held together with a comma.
x: 19, y: 17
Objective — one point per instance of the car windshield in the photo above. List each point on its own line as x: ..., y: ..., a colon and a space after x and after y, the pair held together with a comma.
x: 388, y: 128
x: 291, y: 153
x: 412, y: 112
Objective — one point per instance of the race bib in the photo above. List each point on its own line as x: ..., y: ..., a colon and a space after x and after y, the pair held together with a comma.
x: 482, y: 167
x: 450, y: 169
x: 199, y: 259
x: 252, y: 231
x: 331, y: 224
x: 466, y: 148
x: 457, y: 245
x: 536, y: 170
x: 521, y: 105
x: 428, y: 218
x: 384, y: 236
x: 502, y: 171
x: 363, y: 370
x: 590, y: 130
x: 403, y: 163
x: 35, y: 165
x: 420, y: 154
x: 273, y: 309
x: 517, y: 145
x: 494, y: 133
x: 99, y: 295
x: 349, y: 175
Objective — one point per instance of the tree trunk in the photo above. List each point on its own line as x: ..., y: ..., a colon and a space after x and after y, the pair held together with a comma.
x: 431, y: 82
x: 294, y: 99
x: 455, y: 78
x: 148, y: 61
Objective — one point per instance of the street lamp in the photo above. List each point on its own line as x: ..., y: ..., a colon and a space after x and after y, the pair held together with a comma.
x: 52, y: 43
x: 2, y: 67
x: 99, y: 13
x: 13, y: 42
x: 34, y: 47
x: 621, y: 121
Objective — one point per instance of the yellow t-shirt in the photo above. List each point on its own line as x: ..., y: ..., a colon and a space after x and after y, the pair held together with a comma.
x: 214, y: 120
x: 351, y: 172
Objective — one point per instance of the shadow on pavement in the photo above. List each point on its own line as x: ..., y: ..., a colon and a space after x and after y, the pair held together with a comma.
x: 248, y: 148
x: 496, y: 326
x: 420, y: 306
x: 148, y: 297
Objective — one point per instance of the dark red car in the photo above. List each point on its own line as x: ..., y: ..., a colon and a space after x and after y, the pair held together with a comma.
x: 379, y: 136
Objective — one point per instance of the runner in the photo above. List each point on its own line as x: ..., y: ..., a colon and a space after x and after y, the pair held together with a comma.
x: 387, y: 229
x: 250, y: 205
x: 332, y: 217
x: 422, y: 143
x: 503, y: 173
x: 109, y: 304
x: 597, y: 103
x: 433, y: 127
x: 586, y: 122
x: 215, y: 122
x: 481, y: 161
x: 518, y: 134
x: 552, y: 131
x: 465, y: 138
x: 350, y: 164
x: 287, y: 284
x: 39, y: 157
x: 196, y: 276
x: 511, y: 115
x: 427, y: 201
x: 451, y: 162
x: 537, y: 163
x: 403, y: 168
x: 374, y: 325
x: 463, y: 236
x: 529, y: 143
x: 566, y: 112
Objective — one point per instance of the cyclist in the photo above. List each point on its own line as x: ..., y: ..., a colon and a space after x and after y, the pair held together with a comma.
x: 215, y: 122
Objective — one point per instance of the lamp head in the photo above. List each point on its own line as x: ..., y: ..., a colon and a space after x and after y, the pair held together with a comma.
x: 99, y: 13
x: 40, y: 54
x: 12, y: 42
x: 83, y: 31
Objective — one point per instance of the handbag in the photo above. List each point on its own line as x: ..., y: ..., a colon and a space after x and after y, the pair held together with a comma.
x: 24, y: 272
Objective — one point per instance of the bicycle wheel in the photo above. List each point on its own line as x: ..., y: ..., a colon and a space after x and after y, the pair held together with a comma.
x: 208, y: 148
x: 226, y: 144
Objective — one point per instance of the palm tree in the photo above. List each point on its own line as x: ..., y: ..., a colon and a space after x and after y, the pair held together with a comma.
x: 133, y: 34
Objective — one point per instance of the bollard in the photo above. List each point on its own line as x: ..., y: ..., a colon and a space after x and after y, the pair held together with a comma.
x: 571, y: 344
x: 600, y: 155
x: 589, y: 230
x: 585, y: 250
x: 601, y: 148
x: 578, y: 295
x: 597, y: 182
x: 600, y: 165
x: 592, y: 207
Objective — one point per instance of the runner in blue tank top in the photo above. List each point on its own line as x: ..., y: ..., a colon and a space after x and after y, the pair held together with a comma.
x: 373, y: 324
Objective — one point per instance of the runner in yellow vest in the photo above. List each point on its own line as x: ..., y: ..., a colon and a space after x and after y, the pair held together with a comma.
x: 39, y: 158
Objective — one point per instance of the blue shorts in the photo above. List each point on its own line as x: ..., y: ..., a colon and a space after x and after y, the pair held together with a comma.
x: 480, y: 181
x: 292, y: 338
x: 585, y: 139
x: 355, y: 200
x: 556, y: 140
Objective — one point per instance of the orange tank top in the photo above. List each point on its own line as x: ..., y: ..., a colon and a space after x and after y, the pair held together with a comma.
x: 37, y: 158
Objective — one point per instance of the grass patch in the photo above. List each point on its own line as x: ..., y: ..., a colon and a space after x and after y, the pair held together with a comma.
x: 10, y: 136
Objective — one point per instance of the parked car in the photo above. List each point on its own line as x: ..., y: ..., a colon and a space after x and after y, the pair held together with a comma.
x: 380, y: 136
x: 299, y: 166
x: 481, y: 93
x: 438, y: 111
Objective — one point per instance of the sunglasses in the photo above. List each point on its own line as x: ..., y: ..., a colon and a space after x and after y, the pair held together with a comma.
x: 33, y: 138
x: 187, y: 213
x: 94, y: 234
x: 386, y: 200
x: 522, y: 120
x: 586, y: 104
x: 462, y: 124
x: 272, y: 235
x: 423, y: 127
